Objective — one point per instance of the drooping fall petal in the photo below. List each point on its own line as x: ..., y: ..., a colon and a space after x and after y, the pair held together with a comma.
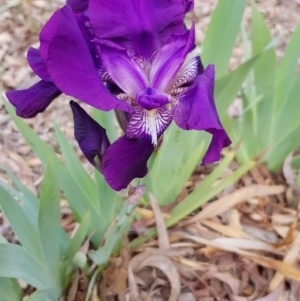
x: 70, y: 63
x: 196, y: 110
x: 125, y: 160
x: 34, y: 100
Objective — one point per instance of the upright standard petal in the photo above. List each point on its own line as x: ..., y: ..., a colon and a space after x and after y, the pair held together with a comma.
x: 124, y: 71
x: 36, y: 99
x: 141, y: 26
x: 70, y: 63
x: 91, y: 136
x: 125, y: 160
x: 170, y: 58
x: 196, y: 110
x: 37, y: 64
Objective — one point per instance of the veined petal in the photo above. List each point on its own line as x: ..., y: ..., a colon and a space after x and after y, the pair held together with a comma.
x: 189, y: 71
x: 124, y: 71
x: 36, y: 99
x: 125, y: 160
x: 91, y: 136
x: 196, y: 110
x: 37, y: 64
x: 152, y: 124
x: 170, y: 58
x: 141, y: 26
x: 70, y: 63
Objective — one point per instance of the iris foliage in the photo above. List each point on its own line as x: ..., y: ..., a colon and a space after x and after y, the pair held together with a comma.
x: 270, y: 121
x: 46, y: 256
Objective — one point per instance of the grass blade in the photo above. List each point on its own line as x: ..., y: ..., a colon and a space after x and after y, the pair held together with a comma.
x: 286, y: 71
x: 166, y: 173
x: 117, y: 229
x: 228, y: 86
x: 109, y: 201
x: 264, y: 78
x: 2, y: 239
x: 221, y: 34
x: 75, y: 167
x: 29, y: 208
x: 107, y: 121
x: 10, y: 290
x: 78, y: 200
x: 286, y: 128
x: 30, y: 196
x: 15, y: 262
x: 189, y: 204
x: 26, y: 231
x: 77, y: 240
x: 49, y: 221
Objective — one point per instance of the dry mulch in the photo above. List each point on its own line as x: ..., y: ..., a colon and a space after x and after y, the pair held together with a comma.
x: 244, y: 245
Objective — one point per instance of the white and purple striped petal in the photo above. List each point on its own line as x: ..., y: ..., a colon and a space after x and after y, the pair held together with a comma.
x: 189, y: 71
x: 151, y: 124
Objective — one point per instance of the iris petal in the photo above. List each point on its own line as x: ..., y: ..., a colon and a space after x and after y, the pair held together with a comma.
x: 189, y: 71
x: 37, y: 64
x: 70, y: 63
x: 170, y: 58
x: 36, y: 99
x: 196, y: 110
x: 125, y: 72
x: 149, y: 123
x: 141, y: 26
x: 125, y: 160
x: 90, y: 136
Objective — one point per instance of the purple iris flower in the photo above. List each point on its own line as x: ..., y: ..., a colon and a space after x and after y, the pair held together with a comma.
x: 136, y: 57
